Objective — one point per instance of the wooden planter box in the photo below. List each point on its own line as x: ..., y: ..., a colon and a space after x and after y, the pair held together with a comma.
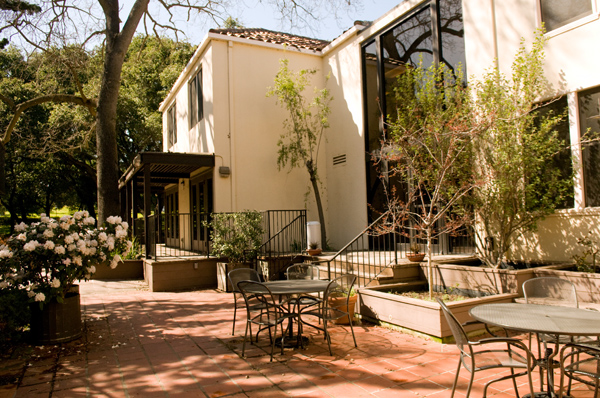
x: 586, y: 284
x: 421, y: 316
x: 475, y: 280
x: 129, y: 269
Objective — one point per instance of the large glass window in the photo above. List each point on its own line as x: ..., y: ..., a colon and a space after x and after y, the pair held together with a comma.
x: 557, y: 13
x: 172, y: 125
x: 430, y: 34
x: 196, y: 110
x: 589, y: 120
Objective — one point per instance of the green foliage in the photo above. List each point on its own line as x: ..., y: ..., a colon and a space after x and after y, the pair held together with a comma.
x: 136, y: 252
x: 514, y: 153
x: 586, y: 260
x: 14, y: 314
x: 237, y: 236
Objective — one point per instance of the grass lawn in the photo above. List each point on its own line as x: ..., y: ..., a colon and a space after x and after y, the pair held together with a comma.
x: 5, y: 218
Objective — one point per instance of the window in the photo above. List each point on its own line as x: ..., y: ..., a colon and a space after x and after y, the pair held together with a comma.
x: 195, y: 96
x: 561, y: 166
x: 557, y: 13
x: 172, y: 125
x: 589, y: 119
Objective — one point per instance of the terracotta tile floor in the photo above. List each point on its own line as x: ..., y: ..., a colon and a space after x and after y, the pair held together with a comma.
x: 142, y: 344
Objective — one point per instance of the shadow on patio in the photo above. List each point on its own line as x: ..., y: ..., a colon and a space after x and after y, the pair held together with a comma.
x: 139, y: 343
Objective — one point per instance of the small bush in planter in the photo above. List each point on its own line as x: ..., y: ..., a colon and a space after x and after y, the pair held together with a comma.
x: 236, y: 236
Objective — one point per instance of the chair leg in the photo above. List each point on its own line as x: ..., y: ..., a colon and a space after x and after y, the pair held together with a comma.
x: 245, y: 336
x: 456, y: 378
x: 234, y: 314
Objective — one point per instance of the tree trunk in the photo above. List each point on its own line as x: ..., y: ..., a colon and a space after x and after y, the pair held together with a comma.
x: 315, y: 185
x: 117, y: 43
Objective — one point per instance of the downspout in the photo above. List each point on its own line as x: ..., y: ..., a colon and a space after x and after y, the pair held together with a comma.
x: 232, y: 158
x: 495, y: 34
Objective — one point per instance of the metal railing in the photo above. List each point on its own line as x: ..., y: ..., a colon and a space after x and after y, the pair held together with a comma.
x: 186, y: 234
x: 369, y: 254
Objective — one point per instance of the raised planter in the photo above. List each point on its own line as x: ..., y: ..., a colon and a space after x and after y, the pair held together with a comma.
x: 340, y: 304
x: 421, y: 316
x: 128, y: 269
x: 223, y: 269
x: 477, y: 280
x: 57, y: 322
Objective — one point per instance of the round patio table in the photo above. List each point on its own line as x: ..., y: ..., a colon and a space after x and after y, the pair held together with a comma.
x: 296, y: 287
x: 537, y: 318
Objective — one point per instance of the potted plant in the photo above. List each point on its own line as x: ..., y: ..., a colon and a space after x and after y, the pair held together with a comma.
x: 46, y: 258
x: 236, y: 237
x: 314, y: 249
x: 338, y: 300
x: 415, y: 254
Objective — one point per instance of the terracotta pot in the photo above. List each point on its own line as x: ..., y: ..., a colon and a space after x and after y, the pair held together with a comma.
x: 415, y: 258
x: 340, y: 303
x: 314, y: 252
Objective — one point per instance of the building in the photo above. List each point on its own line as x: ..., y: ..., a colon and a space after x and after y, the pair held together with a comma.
x: 218, y: 109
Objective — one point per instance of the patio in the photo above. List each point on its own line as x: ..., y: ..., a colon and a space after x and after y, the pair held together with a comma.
x: 139, y: 343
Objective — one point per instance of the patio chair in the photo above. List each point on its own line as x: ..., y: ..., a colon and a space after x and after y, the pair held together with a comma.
x: 516, y: 355
x: 302, y: 271
x: 549, y: 291
x: 324, y: 310
x: 580, y: 362
x: 235, y: 276
x: 263, y: 310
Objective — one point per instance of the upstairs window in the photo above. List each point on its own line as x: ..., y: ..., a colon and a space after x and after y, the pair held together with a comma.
x: 557, y: 13
x: 172, y: 125
x: 195, y: 96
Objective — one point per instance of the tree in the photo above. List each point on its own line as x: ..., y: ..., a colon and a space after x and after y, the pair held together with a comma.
x: 306, y: 124
x: 58, y: 22
x: 514, y: 153
x: 430, y: 149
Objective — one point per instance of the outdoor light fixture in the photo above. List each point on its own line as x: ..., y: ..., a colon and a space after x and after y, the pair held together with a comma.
x: 224, y: 171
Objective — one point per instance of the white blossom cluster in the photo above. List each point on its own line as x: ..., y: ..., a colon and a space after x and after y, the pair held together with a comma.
x: 47, y: 257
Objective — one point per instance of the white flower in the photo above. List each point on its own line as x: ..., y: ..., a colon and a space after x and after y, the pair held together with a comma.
x: 6, y: 253
x: 110, y: 243
x: 75, y: 236
x: 89, y: 221
x: 121, y: 234
x: 78, y: 215
x: 3, y: 285
x: 67, y: 261
x: 55, y: 283
x: 40, y: 297
x: 49, y: 245
x: 22, y: 237
x: 48, y: 233
x: 44, y: 218
x: 125, y: 225
x: 20, y: 227
x: 72, y: 247
x: 58, y: 249
x: 91, y: 269
x: 31, y: 245
x: 65, y: 225
x: 77, y: 260
x: 114, y: 220
x: 115, y: 261
x: 30, y: 294
x: 102, y: 236
x: 69, y: 239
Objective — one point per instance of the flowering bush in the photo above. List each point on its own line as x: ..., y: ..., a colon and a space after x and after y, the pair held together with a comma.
x: 45, y: 258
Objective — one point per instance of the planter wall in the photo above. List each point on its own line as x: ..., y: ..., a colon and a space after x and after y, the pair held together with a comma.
x: 420, y: 315
x: 129, y: 269
x: 475, y: 280
x: 170, y: 276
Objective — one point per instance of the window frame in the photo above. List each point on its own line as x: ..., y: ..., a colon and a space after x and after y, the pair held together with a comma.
x: 172, y: 125
x: 569, y: 25
x: 195, y: 99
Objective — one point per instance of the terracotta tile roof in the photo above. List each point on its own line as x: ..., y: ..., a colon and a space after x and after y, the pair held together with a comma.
x: 269, y: 36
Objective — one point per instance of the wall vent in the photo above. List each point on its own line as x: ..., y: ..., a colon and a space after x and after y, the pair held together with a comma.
x: 339, y: 160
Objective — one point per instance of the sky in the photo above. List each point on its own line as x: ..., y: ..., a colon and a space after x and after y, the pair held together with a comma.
x: 257, y: 14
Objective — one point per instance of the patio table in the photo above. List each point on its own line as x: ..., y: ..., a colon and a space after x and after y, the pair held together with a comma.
x: 537, y: 318
x: 296, y: 287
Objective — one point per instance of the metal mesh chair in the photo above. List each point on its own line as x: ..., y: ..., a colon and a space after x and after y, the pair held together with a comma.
x: 580, y: 362
x: 302, y: 271
x: 549, y: 291
x: 235, y: 276
x: 340, y: 287
x: 516, y: 355
x: 264, y: 311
